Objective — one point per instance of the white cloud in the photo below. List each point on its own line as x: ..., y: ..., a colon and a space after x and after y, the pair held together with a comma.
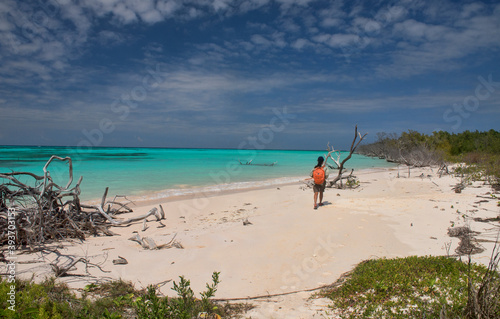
x: 249, y: 5
x: 146, y: 10
x: 247, y: 46
x: 151, y: 16
x: 220, y: 5
x: 299, y: 44
x: 168, y: 8
x: 427, y: 47
x: 290, y: 26
x: 343, y: 40
x: 367, y: 25
x: 141, y: 6
x: 418, y: 31
x: 5, y: 25
x: 260, y: 40
x: 76, y: 15
x: 27, y: 68
x: 391, y: 14
x: 411, y: 28
x: 52, y: 51
x: 361, y: 103
x: 334, y: 10
x: 203, y: 81
x: 331, y: 22
x: 279, y: 39
x: 107, y: 37
x: 322, y: 38
x: 194, y: 13
x: 356, y: 10
x: 124, y: 14
x: 288, y: 3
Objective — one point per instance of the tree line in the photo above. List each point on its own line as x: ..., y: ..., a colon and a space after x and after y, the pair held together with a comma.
x: 418, y: 149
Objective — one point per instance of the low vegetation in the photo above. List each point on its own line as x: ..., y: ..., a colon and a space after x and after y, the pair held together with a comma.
x: 417, y: 287
x: 411, y: 287
x: 49, y: 299
x: 116, y: 299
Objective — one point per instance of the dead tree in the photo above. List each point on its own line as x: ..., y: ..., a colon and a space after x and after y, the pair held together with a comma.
x: 339, y: 165
x: 42, y: 210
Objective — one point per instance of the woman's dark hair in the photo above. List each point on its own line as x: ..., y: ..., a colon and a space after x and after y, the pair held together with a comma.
x: 320, y: 161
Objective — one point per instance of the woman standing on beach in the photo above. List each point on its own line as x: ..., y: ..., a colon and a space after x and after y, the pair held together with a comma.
x: 319, y: 174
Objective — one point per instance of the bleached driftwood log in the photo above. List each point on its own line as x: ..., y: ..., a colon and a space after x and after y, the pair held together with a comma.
x: 42, y: 210
x: 149, y: 243
x: 154, y: 211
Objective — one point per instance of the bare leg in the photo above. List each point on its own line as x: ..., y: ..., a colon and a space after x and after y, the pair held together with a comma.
x: 315, y: 199
x: 320, y: 198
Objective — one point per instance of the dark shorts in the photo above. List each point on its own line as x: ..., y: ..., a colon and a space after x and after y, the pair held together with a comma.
x: 319, y: 188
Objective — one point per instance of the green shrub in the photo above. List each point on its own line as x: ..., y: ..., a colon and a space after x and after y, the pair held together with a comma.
x: 49, y: 299
x: 44, y: 300
x: 184, y: 306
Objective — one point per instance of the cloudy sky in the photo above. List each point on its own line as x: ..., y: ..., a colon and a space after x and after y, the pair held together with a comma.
x: 293, y: 74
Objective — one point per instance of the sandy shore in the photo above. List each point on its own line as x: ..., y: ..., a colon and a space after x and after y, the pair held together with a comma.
x: 288, y: 246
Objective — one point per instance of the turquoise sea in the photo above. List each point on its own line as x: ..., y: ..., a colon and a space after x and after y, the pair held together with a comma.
x: 163, y: 172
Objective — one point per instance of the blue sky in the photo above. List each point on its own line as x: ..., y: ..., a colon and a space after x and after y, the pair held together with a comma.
x: 292, y: 74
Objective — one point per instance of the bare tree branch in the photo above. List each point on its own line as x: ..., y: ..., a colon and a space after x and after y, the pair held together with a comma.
x: 340, y: 164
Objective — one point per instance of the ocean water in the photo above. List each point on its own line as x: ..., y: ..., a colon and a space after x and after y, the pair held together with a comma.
x: 163, y: 172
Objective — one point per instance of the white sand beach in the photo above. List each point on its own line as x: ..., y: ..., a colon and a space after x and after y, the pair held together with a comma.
x: 288, y: 246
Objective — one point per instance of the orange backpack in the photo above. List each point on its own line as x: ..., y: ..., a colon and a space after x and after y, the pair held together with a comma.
x: 319, y: 175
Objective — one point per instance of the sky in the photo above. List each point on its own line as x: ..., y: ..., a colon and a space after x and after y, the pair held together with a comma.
x: 259, y: 74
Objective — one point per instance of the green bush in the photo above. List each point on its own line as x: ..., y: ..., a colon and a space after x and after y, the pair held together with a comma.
x: 185, y: 306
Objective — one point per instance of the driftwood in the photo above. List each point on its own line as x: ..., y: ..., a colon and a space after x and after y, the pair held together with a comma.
x: 44, y: 211
x: 120, y: 261
x: 149, y: 243
x: 61, y: 271
x: 443, y: 170
x: 339, y: 165
x: 154, y: 211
